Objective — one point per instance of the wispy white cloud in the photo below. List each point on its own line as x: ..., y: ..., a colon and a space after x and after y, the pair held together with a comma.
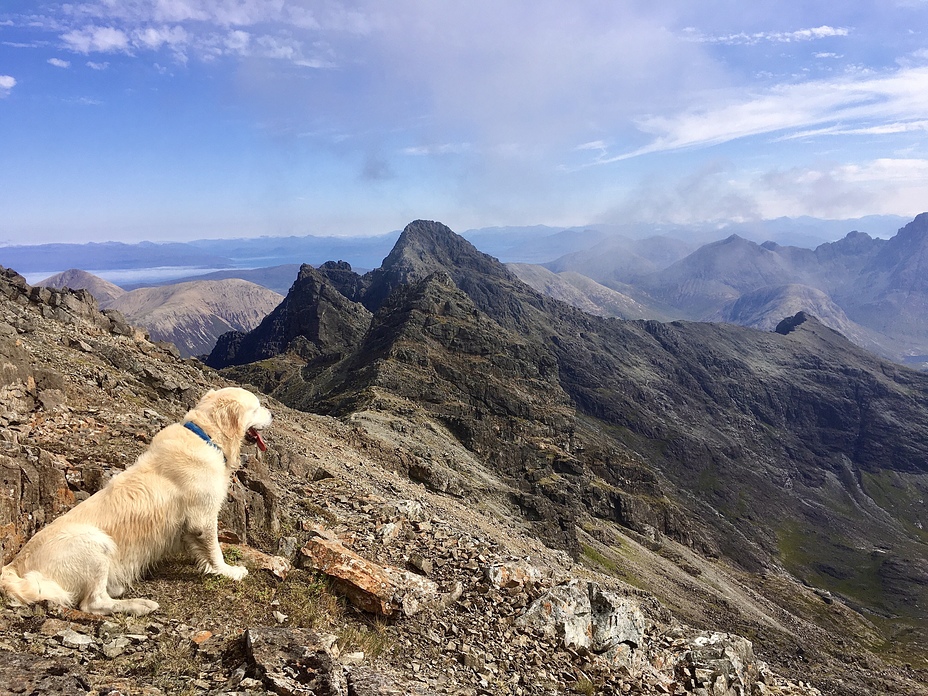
x: 7, y: 83
x: 209, y: 30
x: 901, y: 96
x: 711, y: 192
x: 896, y: 186
x: 23, y: 44
x: 879, y: 129
x: 155, y: 37
x: 238, y: 41
x: 886, y: 169
x: 58, y: 63
x: 94, y: 39
x: 93, y: 65
x: 84, y: 101
x: 719, y: 191
x: 742, y: 38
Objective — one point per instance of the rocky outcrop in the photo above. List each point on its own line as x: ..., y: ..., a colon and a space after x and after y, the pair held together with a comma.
x: 294, y: 661
x: 586, y: 616
x: 314, y: 321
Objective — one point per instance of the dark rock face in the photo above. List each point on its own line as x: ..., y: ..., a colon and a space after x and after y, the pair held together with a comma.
x: 314, y: 320
x: 345, y: 280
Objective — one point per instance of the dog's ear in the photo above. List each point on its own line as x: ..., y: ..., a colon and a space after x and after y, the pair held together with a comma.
x: 229, y: 415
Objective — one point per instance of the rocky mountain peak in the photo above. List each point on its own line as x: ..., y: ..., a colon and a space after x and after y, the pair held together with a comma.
x: 895, y: 272
x: 425, y: 242
x: 735, y: 239
x: 852, y: 244
x: 918, y: 228
x: 423, y: 248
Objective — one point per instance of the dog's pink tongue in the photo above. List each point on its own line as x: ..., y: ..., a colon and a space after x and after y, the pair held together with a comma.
x: 258, y: 440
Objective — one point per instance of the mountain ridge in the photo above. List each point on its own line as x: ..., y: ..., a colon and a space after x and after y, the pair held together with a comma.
x: 767, y: 449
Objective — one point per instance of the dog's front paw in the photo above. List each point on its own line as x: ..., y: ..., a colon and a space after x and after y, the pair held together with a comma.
x: 235, y: 572
x: 139, y: 607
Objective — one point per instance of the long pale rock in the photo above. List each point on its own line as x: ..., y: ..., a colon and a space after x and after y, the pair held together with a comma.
x: 364, y: 583
x: 383, y: 590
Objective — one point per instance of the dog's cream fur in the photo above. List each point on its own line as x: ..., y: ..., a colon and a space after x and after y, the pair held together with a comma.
x: 168, y: 500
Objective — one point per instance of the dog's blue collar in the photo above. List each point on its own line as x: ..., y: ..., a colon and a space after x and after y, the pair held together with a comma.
x: 193, y: 427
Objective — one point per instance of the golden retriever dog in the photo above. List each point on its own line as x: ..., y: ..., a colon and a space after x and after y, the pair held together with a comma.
x: 167, y: 501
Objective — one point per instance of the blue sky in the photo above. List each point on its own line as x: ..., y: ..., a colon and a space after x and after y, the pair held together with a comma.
x: 185, y: 119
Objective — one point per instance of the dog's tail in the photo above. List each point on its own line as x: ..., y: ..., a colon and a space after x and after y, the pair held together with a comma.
x: 34, y: 587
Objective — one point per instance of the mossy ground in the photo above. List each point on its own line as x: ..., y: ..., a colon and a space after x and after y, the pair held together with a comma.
x: 227, y: 609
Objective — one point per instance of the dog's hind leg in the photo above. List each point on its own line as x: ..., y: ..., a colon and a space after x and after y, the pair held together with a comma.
x: 98, y: 599
x: 99, y: 581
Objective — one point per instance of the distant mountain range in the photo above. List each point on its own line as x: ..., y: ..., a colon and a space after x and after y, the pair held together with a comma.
x: 869, y: 288
x: 533, y: 244
x: 190, y: 315
x: 872, y: 290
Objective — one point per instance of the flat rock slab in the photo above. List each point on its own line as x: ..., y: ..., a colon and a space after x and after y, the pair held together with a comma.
x: 32, y: 674
x: 295, y: 661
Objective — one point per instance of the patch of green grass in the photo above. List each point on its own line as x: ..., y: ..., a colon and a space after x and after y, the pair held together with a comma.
x: 308, y: 602
x: 828, y: 561
x: 600, y: 558
x: 232, y: 554
x: 902, y: 495
x: 708, y: 480
x: 584, y: 686
x: 372, y: 640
